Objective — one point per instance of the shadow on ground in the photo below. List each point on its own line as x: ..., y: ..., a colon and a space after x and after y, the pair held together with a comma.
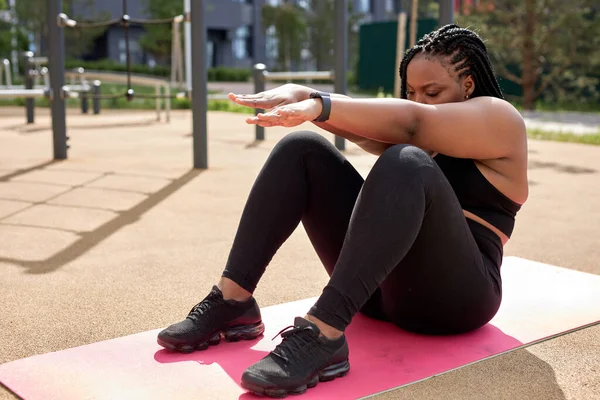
x: 570, y: 169
x: 480, y: 381
x: 26, y: 128
x: 88, y: 239
x: 23, y: 171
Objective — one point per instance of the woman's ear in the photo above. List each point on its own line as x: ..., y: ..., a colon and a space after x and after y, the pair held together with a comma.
x: 468, y: 86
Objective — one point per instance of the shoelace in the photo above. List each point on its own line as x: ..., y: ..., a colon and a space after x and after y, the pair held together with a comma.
x: 204, y: 307
x: 297, y: 343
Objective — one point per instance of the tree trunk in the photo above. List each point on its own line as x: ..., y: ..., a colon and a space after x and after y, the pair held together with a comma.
x: 529, y: 65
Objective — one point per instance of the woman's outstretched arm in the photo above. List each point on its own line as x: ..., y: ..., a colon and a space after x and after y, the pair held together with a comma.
x: 480, y: 128
x: 293, y: 93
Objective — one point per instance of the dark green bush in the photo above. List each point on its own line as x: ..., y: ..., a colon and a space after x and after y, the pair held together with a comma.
x: 217, y: 74
x: 225, y: 74
x: 108, y: 65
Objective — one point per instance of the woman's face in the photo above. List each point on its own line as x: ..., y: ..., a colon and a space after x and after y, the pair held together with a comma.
x: 430, y: 82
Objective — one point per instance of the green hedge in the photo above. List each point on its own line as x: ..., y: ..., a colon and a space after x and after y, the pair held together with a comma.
x: 225, y: 74
x: 217, y: 74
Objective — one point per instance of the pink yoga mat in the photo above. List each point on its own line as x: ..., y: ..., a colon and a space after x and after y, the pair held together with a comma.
x: 540, y: 301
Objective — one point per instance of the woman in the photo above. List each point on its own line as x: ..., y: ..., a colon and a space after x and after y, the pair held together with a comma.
x: 419, y: 243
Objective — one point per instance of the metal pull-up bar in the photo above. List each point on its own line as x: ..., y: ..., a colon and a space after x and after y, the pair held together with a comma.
x: 57, y: 20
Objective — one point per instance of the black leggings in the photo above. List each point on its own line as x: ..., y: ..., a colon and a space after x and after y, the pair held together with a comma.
x: 396, y: 245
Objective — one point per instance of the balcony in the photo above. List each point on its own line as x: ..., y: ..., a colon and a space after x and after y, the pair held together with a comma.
x: 220, y: 14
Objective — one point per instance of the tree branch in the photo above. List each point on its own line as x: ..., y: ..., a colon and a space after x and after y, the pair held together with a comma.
x: 557, y: 72
x: 507, y: 74
x: 549, y: 35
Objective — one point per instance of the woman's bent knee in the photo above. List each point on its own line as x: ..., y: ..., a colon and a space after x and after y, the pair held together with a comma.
x: 404, y: 160
x: 301, y: 141
x: 405, y: 154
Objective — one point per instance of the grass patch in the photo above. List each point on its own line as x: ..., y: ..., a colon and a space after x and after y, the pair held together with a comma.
x: 593, y: 138
x: 138, y: 103
x: 590, y: 107
x: 226, y: 105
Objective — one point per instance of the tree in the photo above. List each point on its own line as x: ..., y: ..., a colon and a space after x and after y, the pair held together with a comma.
x: 5, y: 35
x: 321, y: 19
x: 546, y: 40
x: 290, y: 26
x: 32, y: 17
x: 158, y: 38
x: 321, y: 42
x: 426, y: 8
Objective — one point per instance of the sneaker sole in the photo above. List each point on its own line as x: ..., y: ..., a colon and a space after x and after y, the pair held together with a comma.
x: 325, y: 375
x: 246, y: 332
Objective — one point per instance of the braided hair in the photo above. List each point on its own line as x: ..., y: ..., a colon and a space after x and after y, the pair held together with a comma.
x: 469, y: 56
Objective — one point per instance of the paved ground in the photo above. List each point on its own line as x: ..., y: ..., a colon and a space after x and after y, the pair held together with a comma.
x: 568, y: 122
x: 124, y: 237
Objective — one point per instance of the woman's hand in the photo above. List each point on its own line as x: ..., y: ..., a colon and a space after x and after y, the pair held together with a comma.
x: 289, y: 115
x: 279, y: 96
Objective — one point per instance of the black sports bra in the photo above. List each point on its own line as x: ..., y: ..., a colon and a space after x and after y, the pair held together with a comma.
x: 477, y: 195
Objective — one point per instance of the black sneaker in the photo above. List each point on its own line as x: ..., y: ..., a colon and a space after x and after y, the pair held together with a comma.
x: 301, y: 360
x: 210, y: 319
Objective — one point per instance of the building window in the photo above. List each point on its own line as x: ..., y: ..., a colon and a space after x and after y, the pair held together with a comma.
x: 271, y: 43
x: 210, y: 54
x: 240, y: 43
x: 135, y: 51
x: 364, y: 6
x: 389, y: 6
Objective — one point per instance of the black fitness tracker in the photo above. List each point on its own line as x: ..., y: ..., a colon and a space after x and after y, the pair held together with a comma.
x: 326, y: 99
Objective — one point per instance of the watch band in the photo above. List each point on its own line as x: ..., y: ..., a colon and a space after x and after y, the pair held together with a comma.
x: 326, y: 99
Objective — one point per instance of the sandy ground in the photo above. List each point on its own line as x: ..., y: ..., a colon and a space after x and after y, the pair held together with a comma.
x: 124, y: 237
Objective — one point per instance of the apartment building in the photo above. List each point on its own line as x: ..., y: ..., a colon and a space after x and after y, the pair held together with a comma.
x: 229, y: 29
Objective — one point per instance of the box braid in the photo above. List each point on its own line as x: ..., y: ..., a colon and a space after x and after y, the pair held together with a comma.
x: 469, y: 55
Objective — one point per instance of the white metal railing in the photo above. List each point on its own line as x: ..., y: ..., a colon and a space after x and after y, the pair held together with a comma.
x: 79, y: 82
x: 9, y: 91
x: 261, y: 76
x: 113, y: 77
x: 23, y: 93
x: 300, y: 75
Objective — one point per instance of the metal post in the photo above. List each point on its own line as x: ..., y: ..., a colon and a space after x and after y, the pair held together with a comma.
x: 168, y: 102
x: 5, y: 67
x: 44, y: 73
x: 341, y: 55
x: 84, y: 101
x: 258, y: 74
x: 29, y: 103
x: 259, y: 46
x: 158, y: 93
x: 199, y: 78
x: 188, y: 47
x: 446, y: 12
x: 56, y: 64
x: 96, y: 97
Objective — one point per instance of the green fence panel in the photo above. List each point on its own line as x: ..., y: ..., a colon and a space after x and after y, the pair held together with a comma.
x: 377, y: 56
x: 377, y: 52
